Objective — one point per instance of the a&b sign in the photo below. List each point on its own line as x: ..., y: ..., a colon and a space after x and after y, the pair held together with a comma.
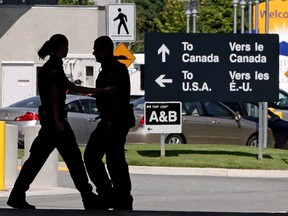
x: 163, y: 117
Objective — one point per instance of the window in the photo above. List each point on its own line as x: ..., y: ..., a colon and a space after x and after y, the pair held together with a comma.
x: 252, y: 109
x: 73, y: 107
x: 89, y: 71
x: 282, y: 102
x: 89, y: 106
x: 33, y: 102
x: 191, y: 108
x: 216, y: 110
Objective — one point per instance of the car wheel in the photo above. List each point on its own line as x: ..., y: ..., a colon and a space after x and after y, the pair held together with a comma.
x: 174, y: 139
x: 253, y: 141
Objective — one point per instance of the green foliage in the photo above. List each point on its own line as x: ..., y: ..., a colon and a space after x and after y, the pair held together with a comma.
x: 146, y: 11
x: 215, y: 16
x: 172, y: 18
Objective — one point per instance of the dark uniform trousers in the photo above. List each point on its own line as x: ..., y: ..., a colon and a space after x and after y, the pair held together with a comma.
x: 109, y: 141
x: 46, y: 141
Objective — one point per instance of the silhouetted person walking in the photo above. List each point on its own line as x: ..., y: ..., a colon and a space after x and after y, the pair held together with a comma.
x: 123, y: 19
x: 55, y: 131
x: 109, y: 137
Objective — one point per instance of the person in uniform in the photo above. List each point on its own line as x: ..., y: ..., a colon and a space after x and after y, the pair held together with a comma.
x: 55, y: 130
x: 109, y: 137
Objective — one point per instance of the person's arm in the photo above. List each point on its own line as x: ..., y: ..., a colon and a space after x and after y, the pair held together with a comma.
x: 87, y: 90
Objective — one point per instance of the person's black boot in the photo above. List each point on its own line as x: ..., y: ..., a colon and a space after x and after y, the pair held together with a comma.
x: 18, y: 201
x: 91, y: 202
x: 123, y: 203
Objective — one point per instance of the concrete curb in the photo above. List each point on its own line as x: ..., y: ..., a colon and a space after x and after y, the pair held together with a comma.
x: 208, y: 172
x: 152, y: 170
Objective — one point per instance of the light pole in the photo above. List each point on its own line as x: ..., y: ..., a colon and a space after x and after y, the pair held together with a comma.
x: 250, y: 15
x: 191, y: 7
x: 195, y: 4
x: 188, y: 12
x: 242, y: 4
x: 256, y: 16
x: 235, y: 5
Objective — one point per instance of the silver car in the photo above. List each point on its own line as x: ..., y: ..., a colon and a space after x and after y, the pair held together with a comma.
x: 202, y: 123
x: 82, y: 112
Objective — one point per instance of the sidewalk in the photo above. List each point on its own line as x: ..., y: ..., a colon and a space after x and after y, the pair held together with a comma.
x: 149, y: 170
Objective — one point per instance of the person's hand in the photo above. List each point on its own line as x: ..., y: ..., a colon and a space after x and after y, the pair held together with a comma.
x: 110, y: 89
x: 59, y: 126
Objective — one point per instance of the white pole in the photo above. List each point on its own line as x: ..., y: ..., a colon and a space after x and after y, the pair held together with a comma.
x: 162, y: 145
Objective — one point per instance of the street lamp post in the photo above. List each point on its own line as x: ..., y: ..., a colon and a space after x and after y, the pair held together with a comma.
x: 188, y: 12
x: 194, y: 4
x: 250, y: 15
x: 191, y: 7
x: 235, y: 5
x: 242, y: 4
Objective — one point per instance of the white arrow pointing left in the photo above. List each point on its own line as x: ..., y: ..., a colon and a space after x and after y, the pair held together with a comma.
x: 163, y: 50
x: 160, y: 80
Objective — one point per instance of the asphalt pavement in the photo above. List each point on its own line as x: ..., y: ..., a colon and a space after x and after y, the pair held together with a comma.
x: 143, y: 170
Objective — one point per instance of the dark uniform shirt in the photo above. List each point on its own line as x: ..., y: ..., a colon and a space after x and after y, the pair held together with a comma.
x: 52, y: 74
x: 114, y: 106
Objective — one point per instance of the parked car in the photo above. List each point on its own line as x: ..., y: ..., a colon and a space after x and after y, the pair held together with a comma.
x: 202, y: 123
x: 281, y: 105
x: 250, y: 111
x: 82, y: 112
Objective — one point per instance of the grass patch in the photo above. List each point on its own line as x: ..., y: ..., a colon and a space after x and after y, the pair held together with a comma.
x: 204, y: 156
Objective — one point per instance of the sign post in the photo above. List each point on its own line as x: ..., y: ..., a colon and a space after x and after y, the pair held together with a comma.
x: 163, y: 118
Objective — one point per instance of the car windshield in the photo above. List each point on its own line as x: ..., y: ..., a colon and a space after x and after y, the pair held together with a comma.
x: 283, y: 100
x: 139, y: 103
x: 33, y: 102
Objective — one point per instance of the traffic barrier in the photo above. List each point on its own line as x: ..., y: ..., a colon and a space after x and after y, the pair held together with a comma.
x: 11, y: 153
x: 2, y: 155
x: 48, y: 175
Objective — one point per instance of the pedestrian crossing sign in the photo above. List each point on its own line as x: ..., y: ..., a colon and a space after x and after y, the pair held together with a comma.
x: 121, y: 22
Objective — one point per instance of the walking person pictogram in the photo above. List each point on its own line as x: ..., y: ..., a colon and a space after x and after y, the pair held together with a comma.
x: 123, y: 19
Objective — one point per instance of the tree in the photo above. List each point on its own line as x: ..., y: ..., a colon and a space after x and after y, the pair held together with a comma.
x: 215, y: 16
x: 146, y: 11
x: 172, y: 18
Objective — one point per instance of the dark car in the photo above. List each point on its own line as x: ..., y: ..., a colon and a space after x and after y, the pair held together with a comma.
x: 281, y: 105
x: 250, y: 111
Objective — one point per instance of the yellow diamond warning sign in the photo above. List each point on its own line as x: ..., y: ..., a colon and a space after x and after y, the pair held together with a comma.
x: 124, y: 55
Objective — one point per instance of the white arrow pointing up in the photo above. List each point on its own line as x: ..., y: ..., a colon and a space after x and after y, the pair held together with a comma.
x: 160, y: 80
x: 163, y: 50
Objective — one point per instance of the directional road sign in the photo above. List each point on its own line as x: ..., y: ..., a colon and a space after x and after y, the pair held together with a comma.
x: 163, y: 117
x: 121, y: 22
x: 211, y: 67
x: 124, y: 55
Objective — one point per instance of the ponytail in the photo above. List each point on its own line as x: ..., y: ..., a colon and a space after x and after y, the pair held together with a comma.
x: 45, y: 50
x: 52, y: 45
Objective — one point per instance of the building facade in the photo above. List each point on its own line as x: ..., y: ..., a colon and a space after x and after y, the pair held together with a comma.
x: 25, y: 28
